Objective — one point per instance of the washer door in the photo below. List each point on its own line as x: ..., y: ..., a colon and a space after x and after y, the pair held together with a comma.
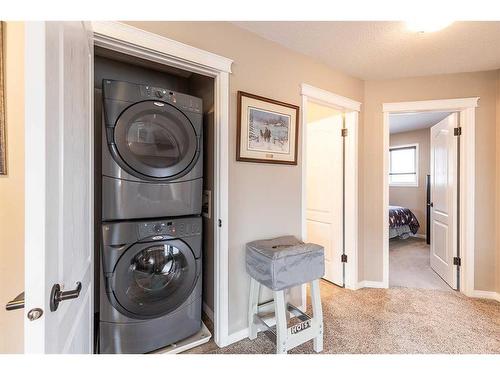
x: 156, y: 140
x: 153, y: 279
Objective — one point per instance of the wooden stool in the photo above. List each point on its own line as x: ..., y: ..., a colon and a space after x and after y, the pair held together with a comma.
x: 280, y: 264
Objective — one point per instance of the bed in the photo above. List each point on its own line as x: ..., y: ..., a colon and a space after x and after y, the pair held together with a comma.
x: 402, y: 222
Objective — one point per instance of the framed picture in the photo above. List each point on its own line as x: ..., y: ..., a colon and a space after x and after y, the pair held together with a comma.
x: 267, y: 130
x: 3, y: 150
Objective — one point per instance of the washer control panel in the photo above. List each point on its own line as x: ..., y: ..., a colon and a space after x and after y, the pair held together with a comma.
x: 164, y: 229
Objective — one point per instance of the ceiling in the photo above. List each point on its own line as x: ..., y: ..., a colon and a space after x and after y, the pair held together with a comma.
x: 404, y: 122
x: 373, y: 50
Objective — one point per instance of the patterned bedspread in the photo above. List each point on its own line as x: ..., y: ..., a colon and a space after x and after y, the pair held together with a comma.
x: 400, y: 216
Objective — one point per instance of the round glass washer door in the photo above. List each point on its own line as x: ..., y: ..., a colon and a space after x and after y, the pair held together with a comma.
x: 153, y: 279
x: 155, y: 139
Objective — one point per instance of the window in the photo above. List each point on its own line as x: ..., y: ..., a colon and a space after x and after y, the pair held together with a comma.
x: 403, y: 170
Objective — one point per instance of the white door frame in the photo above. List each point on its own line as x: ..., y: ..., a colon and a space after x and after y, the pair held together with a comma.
x: 466, y: 107
x: 139, y: 43
x: 350, y: 108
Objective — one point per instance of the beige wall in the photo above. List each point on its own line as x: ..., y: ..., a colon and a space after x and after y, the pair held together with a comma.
x: 414, y: 198
x: 263, y: 68
x: 482, y: 84
x: 12, y: 192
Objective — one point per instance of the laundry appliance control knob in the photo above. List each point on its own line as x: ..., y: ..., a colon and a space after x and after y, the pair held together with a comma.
x: 160, y: 93
x: 157, y: 228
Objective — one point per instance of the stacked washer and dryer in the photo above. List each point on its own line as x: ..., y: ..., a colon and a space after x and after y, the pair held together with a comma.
x: 151, y: 251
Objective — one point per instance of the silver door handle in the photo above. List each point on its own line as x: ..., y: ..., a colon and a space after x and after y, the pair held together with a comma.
x: 57, y: 295
x: 16, y: 304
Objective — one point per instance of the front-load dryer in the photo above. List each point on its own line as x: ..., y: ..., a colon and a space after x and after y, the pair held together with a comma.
x: 151, y: 284
x: 152, y: 152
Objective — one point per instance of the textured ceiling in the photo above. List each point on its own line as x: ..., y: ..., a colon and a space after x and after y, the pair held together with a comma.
x: 406, y: 122
x: 384, y: 50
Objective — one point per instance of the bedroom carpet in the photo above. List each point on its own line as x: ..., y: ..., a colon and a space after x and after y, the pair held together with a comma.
x: 409, y: 265
x: 396, y: 320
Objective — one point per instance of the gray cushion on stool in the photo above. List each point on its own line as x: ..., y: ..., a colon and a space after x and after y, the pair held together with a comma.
x: 284, y: 262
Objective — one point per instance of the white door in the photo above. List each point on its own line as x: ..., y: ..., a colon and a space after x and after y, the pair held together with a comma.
x: 324, y: 185
x: 59, y: 186
x: 444, y: 199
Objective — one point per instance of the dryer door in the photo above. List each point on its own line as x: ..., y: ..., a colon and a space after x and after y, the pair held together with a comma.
x: 153, y: 279
x: 156, y: 140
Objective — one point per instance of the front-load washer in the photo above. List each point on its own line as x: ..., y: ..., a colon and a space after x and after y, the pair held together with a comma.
x: 152, y: 152
x: 151, y: 284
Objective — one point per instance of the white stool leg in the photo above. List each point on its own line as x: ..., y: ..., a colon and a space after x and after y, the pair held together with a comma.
x: 253, y: 303
x: 317, y: 315
x: 281, y: 322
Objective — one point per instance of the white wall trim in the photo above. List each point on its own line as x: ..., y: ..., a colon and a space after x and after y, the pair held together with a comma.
x: 486, y: 294
x: 237, y: 336
x: 371, y: 284
x: 329, y: 98
x: 147, y: 41
x: 466, y: 107
x: 126, y: 39
x: 35, y: 192
x: 351, y: 109
x: 432, y: 105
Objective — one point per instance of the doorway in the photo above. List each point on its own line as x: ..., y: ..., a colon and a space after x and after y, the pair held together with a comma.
x: 329, y: 181
x: 420, y: 146
x: 451, y: 188
x: 325, y: 186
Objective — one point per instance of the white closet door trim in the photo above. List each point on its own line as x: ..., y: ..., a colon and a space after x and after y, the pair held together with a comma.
x: 140, y: 40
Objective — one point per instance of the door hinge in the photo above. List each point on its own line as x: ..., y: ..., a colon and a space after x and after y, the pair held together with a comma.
x: 457, y: 261
x: 457, y: 131
x: 220, y: 223
x: 343, y: 132
x: 343, y: 258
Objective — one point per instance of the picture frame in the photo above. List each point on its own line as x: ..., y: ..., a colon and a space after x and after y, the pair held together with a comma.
x: 3, y: 141
x: 267, y: 130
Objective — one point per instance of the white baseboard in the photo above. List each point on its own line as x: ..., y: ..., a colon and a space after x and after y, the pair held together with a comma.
x: 418, y: 235
x: 243, y: 334
x: 371, y: 284
x: 207, y: 310
x: 486, y: 294
x: 236, y: 336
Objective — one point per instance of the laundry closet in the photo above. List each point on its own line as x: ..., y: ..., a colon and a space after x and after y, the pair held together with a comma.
x: 154, y: 183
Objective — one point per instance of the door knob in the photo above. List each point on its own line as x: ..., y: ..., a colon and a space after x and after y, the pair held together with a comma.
x: 57, y: 295
x: 16, y: 303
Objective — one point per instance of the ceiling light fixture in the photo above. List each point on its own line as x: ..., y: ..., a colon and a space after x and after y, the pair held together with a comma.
x: 427, y: 26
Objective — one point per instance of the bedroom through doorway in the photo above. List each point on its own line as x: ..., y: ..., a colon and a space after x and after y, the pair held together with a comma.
x: 423, y: 160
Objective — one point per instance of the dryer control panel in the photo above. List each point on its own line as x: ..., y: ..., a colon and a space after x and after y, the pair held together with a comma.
x: 186, y: 102
x: 163, y: 229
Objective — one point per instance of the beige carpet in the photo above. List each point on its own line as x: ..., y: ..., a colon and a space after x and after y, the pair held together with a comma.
x: 398, y: 320
x: 409, y: 265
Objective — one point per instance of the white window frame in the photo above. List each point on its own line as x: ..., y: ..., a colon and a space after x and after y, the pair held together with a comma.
x: 417, y: 156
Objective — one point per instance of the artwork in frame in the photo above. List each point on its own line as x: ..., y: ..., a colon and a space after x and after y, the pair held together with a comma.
x: 3, y: 151
x: 267, y: 130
